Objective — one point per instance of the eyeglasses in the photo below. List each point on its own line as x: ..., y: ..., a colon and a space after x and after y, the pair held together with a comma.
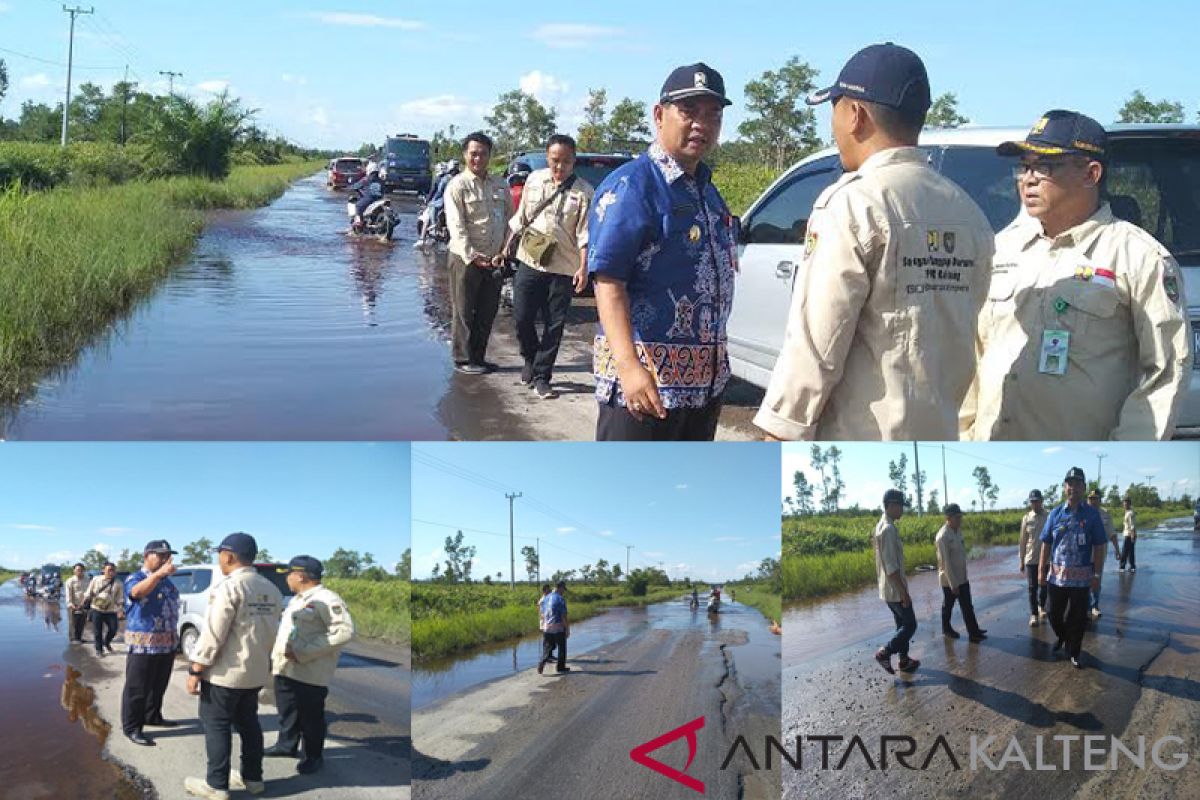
x: 1042, y: 168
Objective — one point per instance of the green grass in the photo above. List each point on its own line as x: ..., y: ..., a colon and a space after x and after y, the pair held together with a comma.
x: 741, y: 184
x: 448, y: 619
x: 767, y: 600
x: 380, y: 609
x: 74, y: 259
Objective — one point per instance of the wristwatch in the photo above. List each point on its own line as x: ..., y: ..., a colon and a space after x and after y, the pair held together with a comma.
x: 195, y: 674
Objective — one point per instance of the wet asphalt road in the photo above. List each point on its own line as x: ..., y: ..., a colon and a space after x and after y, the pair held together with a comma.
x: 1141, y: 678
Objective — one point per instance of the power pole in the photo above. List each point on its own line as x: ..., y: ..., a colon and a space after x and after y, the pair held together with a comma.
x: 628, y: 547
x: 70, y: 57
x: 1099, y: 463
x: 917, y: 475
x: 945, y: 490
x: 171, y: 76
x: 512, y: 558
x: 124, y: 102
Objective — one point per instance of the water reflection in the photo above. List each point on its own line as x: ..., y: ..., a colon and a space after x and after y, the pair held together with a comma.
x: 79, y: 701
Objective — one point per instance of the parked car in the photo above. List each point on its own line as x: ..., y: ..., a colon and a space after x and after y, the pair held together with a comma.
x: 345, y: 171
x: 592, y: 167
x: 196, y: 584
x: 405, y: 164
x: 1154, y: 182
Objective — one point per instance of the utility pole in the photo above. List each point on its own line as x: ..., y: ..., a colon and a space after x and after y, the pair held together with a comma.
x: 124, y: 102
x: 945, y: 490
x: 628, y: 547
x: 512, y: 558
x: 1099, y: 463
x: 70, y: 57
x: 917, y: 475
x: 171, y: 76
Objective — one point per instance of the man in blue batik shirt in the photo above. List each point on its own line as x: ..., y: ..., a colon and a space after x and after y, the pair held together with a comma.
x: 556, y: 627
x: 151, y: 617
x: 663, y: 250
x: 1072, y: 560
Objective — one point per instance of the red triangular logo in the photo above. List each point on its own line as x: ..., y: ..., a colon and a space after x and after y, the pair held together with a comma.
x: 641, y: 754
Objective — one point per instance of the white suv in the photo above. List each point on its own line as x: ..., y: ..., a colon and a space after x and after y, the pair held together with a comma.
x: 1154, y: 182
x: 196, y: 584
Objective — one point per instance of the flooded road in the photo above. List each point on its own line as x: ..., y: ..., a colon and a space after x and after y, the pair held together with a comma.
x: 1141, y: 678
x: 279, y: 327
x: 53, y: 735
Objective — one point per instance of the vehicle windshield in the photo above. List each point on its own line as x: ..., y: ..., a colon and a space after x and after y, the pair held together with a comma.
x: 276, y: 574
x: 592, y: 169
x: 348, y: 165
x: 408, y: 151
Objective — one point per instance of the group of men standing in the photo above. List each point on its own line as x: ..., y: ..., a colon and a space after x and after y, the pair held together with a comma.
x: 249, y: 637
x: 102, y: 599
x: 1061, y: 552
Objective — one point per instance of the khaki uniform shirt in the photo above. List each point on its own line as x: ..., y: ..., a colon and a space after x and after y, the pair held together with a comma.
x: 952, y: 557
x: 477, y: 212
x: 317, y: 624
x: 75, y: 591
x: 880, y: 336
x: 1030, y: 546
x: 243, y: 617
x: 1130, y: 523
x: 889, y: 557
x: 566, y: 219
x: 1118, y: 294
x: 107, y: 601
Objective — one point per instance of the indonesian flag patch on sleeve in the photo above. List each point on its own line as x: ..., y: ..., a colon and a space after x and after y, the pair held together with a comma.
x: 1105, y: 277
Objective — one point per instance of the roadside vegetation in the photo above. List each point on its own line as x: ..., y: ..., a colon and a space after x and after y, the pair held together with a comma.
x: 764, y: 597
x: 379, y: 607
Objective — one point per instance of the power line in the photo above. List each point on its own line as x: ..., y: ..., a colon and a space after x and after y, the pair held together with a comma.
x: 52, y: 63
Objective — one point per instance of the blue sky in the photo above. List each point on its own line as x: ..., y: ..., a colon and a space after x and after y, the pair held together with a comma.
x: 62, y: 499
x: 1174, y: 467
x: 334, y: 74
x: 705, y: 511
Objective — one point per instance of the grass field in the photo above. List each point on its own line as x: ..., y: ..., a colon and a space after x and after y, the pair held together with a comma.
x: 74, y: 259
x: 449, y: 619
x: 829, y: 554
x: 760, y: 596
x: 379, y: 608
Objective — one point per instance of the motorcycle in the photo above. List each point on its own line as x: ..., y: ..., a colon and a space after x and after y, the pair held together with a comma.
x: 379, y: 219
x: 714, y: 605
x: 431, y: 226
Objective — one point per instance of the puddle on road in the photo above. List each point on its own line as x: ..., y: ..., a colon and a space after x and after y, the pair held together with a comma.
x: 756, y: 661
x: 52, y: 735
x: 279, y: 327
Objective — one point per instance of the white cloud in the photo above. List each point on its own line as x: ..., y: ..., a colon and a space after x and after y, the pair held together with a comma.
x: 605, y: 533
x: 38, y: 80
x: 1150, y: 470
x: 1051, y: 450
x: 548, y: 89
x: 567, y: 529
x: 681, y: 486
x: 366, y: 20
x: 212, y: 87
x: 24, y: 526
x: 60, y: 556
x: 574, y: 36
x: 299, y: 80
x: 103, y: 547
x: 319, y: 116
x: 438, y: 109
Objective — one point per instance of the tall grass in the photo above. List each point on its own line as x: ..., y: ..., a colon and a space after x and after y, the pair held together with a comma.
x: 72, y: 260
x: 760, y: 596
x: 380, y: 609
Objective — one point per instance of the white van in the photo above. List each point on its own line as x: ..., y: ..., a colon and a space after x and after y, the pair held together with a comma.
x: 196, y: 584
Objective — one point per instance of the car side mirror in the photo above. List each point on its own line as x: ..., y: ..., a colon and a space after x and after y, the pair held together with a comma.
x: 742, y: 232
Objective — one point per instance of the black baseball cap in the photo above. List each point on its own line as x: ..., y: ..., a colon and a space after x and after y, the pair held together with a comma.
x: 1036, y: 494
x: 241, y: 545
x: 1075, y: 474
x: 952, y: 510
x: 894, y: 496
x: 1061, y: 132
x: 159, y: 546
x: 886, y: 73
x: 306, y: 564
x: 693, y: 80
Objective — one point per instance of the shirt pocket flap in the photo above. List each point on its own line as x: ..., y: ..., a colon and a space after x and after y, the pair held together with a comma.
x: 1098, y: 301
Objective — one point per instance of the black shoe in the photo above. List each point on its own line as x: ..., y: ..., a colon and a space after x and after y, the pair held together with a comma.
x: 275, y: 751
x: 470, y: 369
x: 541, y: 667
x: 527, y: 373
x: 563, y: 669
x: 137, y: 738
x: 544, y: 390
x: 489, y: 366
x: 950, y: 633
x: 309, y: 765
x: 976, y: 638
x: 1058, y: 645
x: 99, y: 654
x: 163, y: 723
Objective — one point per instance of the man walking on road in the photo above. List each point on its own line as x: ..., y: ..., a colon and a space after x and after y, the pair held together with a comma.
x: 1029, y: 552
x: 316, y: 625
x: 151, y: 619
x: 558, y: 628
x: 76, y: 607
x: 952, y: 573
x: 231, y: 664
x: 1071, y: 561
x: 1130, y: 540
x: 893, y: 586
x: 105, y: 595
x: 1095, y: 502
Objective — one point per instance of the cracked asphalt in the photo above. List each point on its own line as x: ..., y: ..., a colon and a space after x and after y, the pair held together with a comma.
x: 1141, y: 678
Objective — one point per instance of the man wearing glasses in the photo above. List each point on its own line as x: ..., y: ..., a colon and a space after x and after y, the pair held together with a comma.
x: 1084, y: 335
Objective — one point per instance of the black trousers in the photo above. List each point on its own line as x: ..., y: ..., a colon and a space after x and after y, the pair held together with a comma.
x: 906, y: 626
x: 301, y: 715
x: 78, y: 620
x: 615, y: 424
x: 222, y: 711
x: 549, y: 642
x: 1037, y: 594
x: 146, y: 679
x: 104, y: 628
x: 1127, y: 553
x: 964, y: 602
x: 474, y: 301
x: 546, y: 295
x: 1068, y: 615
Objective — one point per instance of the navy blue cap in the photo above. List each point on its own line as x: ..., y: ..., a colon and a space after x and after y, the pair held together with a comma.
x: 1036, y: 494
x: 1061, y: 132
x: 693, y: 80
x: 1075, y: 474
x: 952, y: 510
x: 240, y: 544
x: 887, y: 74
x: 894, y: 496
x: 159, y: 546
x: 306, y: 564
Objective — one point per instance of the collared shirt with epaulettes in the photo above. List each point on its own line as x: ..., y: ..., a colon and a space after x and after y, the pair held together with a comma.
x: 477, y: 214
x: 75, y: 587
x: 880, y: 340
x: 239, y: 631
x: 565, y: 218
x: 1118, y: 295
x: 889, y: 558
x: 317, y: 624
x: 669, y: 237
x: 952, y: 557
x: 1030, y: 546
x: 1130, y: 523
